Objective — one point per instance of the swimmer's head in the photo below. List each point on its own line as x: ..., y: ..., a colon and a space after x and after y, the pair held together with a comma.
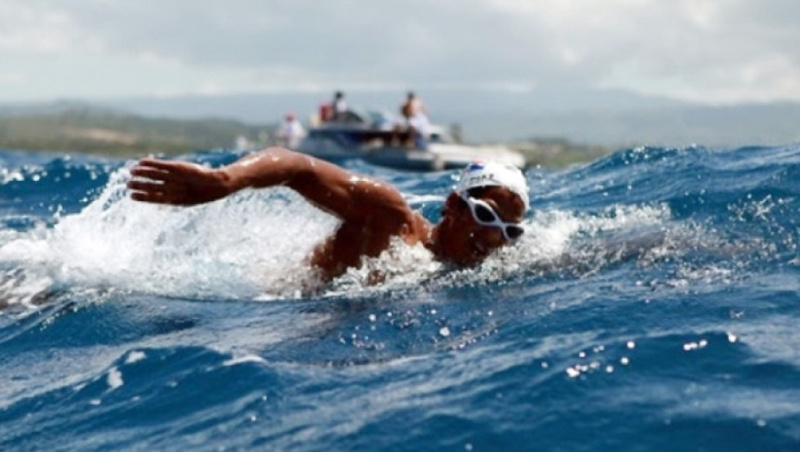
x: 493, y: 174
x: 484, y: 212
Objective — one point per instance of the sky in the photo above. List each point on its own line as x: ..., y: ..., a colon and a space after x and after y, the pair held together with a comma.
x: 706, y: 51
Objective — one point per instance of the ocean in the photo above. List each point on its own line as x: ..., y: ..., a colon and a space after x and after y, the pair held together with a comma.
x: 652, y: 305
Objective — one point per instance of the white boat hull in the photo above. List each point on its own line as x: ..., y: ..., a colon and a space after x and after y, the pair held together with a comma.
x: 438, y: 156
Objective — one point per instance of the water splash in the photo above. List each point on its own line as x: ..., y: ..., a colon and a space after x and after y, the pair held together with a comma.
x: 237, y: 248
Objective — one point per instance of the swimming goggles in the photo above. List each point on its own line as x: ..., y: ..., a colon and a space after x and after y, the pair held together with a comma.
x: 486, y: 216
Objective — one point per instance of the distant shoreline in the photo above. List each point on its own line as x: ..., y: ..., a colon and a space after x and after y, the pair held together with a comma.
x: 117, y: 134
x: 90, y: 130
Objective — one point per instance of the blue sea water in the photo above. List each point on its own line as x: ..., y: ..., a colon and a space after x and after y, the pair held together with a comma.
x: 653, y: 305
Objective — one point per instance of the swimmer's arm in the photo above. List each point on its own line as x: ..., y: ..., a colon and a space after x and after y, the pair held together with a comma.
x: 349, y: 196
x: 329, y: 187
x: 352, y: 197
x: 187, y: 184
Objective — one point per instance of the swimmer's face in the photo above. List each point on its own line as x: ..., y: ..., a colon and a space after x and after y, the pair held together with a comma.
x: 473, y: 241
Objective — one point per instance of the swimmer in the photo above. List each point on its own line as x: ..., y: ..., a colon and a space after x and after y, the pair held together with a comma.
x: 483, y: 213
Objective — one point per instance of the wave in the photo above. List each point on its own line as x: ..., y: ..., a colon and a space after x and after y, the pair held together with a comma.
x: 640, y: 205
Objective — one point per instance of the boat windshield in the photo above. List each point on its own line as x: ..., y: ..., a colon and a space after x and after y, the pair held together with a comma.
x: 380, y: 119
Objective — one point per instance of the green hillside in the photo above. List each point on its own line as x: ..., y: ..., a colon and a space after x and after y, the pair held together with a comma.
x: 90, y: 129
x: 556, y: 152
x: 113, y: 133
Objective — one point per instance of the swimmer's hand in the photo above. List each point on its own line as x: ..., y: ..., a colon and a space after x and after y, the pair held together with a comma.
x: 177, y: 183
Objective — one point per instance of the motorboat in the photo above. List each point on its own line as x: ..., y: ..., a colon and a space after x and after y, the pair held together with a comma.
x: 375, y: 137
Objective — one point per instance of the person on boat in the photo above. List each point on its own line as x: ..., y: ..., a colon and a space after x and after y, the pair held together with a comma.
x: 416, y: 122
x: 290, y: 132
x: 412, y: 105
x: 338, y: 106
x: 325, y: 112
x: 333, y: 110
x: 419, y: 130
x: 483, y: 213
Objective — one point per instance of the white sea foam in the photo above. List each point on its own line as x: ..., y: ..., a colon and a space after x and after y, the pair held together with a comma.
x: 238, y: 247
x: 114, y: 378
x: 243, y: 359
x: 135, y: 356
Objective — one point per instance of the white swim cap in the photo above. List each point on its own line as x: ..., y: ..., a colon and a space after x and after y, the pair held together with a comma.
x: 488, y: 174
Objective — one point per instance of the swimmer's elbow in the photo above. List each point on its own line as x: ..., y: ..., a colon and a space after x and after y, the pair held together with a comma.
x: 267, y: 168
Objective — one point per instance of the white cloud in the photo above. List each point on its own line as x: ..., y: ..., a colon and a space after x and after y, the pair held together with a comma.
x: 11, y: 79
x: 703, y: 50
x: 29, y: 28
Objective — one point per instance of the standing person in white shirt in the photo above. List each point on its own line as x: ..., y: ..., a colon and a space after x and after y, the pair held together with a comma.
x: 290, y: 132
x: 418, y: 124
x: 339, y: 106
x: 419, y: 130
